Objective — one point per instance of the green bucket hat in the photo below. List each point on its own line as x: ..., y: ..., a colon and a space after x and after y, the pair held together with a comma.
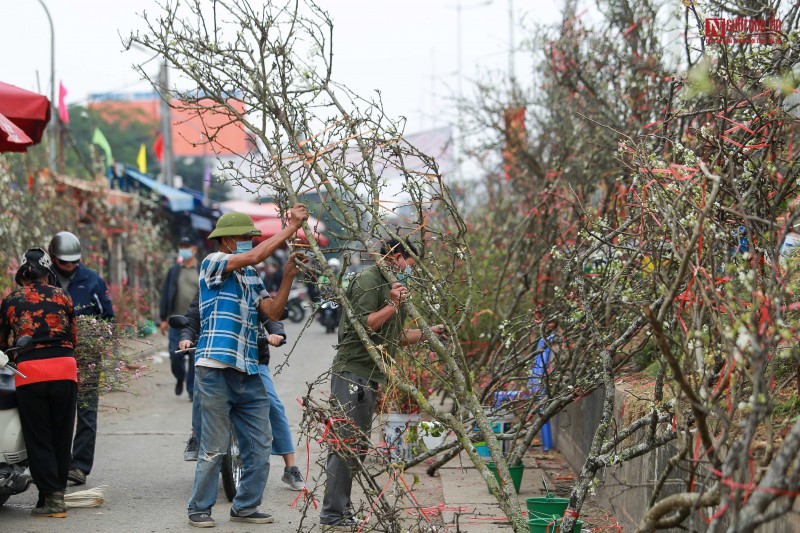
x: 234, y: 224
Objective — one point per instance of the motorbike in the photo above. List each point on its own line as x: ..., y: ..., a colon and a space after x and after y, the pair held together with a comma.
x: 330, y: 314
x: 232, y: 465
x: 14, y: 473
x: 294, y: 305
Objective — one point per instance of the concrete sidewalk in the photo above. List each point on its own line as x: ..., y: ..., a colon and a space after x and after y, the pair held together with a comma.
x: 457, y: 498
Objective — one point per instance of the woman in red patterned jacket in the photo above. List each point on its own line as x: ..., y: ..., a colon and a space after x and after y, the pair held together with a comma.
x: 47, y: 397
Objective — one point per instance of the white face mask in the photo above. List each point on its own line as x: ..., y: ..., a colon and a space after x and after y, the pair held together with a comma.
x: 185, y: 253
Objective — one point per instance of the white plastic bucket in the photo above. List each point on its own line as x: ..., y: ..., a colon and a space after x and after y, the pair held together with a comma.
x: 395, y: 433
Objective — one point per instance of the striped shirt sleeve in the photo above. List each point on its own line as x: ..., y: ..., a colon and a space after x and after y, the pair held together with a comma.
x: 212, y: 271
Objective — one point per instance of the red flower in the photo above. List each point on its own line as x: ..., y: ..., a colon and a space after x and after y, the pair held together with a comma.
x: 32, y: 297
x: 53, y: 320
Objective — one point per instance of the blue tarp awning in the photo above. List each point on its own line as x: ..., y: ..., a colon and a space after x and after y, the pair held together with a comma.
x: 176, y: 199
x: 204, y: 216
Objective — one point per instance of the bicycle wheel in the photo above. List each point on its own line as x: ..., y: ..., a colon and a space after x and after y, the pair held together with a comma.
x: 231, y: 468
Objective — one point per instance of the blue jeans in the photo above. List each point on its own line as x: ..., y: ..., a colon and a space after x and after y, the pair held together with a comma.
x: 178, y: 361
x: 229, y: 397
x: 281, y: 435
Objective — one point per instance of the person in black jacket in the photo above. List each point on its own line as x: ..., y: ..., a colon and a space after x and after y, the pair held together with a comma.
x: 90, y: 296
x: 180, y: 286
x: 272, y: 333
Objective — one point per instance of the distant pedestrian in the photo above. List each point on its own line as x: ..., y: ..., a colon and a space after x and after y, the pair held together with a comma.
x: 180, y: 286
x: 90, y: 296
x: 47, y: 395
x: 355, y: 377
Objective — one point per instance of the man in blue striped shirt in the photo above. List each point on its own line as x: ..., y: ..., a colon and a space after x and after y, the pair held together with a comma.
x: 227, y: 381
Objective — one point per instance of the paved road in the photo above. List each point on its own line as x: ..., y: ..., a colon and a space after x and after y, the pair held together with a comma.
x: 140, y: 454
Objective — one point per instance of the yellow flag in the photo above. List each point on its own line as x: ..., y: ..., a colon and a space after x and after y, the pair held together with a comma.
x: 141, y: 160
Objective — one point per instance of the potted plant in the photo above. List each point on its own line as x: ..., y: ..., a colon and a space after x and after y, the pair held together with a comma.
x: 432, y: 433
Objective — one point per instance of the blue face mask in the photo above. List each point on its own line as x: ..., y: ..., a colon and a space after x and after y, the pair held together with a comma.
x: 185, y: 253
x: 404, y: 276
x: 244, y: 246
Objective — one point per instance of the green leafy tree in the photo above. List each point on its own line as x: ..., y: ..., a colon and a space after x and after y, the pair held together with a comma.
x: 125, y: 129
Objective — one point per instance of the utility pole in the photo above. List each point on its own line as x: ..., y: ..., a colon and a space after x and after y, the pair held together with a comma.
x: 460, y: 125
x: 54, y: 131
x: 511, y: 41
x: 166, y: 124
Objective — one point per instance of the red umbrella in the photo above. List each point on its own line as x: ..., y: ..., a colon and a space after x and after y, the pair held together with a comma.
x: 271, y: 226
x: 12, y: 136
x: 30, y: 112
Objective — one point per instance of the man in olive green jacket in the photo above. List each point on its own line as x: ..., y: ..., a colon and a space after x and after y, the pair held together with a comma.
x: 378, y: 305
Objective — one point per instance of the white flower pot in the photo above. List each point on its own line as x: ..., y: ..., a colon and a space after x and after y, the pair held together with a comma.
x: 395, y: 433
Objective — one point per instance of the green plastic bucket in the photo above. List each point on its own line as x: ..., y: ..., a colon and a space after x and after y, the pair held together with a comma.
x: 546, y: 507
x: 549, y: 525
x: 515, y: 471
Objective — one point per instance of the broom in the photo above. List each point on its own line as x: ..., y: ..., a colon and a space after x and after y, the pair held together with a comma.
x: 86, y: 498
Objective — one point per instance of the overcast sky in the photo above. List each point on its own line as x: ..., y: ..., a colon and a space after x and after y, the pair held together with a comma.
x: 408, y: 50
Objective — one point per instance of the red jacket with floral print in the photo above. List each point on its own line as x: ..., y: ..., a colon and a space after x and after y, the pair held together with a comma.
x: 45, y: 313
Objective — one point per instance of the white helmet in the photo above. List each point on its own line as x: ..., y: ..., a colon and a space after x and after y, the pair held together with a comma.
x: 335, y: 264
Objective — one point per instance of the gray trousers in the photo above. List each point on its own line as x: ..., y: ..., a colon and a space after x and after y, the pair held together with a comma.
x: 356, y: 396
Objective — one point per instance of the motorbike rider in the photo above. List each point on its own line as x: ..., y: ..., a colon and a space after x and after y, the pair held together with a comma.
x: 47, y: 395
x: 90, y: 296
x: 330, y: 313
x: 272, y: 333
x: 335, y: 265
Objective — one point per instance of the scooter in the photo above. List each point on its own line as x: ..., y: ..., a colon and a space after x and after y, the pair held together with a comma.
x: 329, y: 315
x: 294, y: 306
x: 14, y: 474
